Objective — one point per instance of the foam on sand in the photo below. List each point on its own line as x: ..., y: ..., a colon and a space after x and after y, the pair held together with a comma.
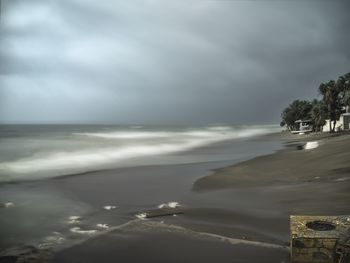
x: 52, y: 241
x: 109, y: 207
x: 74, y: 219
x: 141, y: 216
x: 78, y: 230
x: 104, y: 226
x: 169, y: 205
x: 342, y: 179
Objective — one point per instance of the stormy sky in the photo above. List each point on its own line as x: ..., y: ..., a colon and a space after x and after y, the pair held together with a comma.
x: 166, y: 62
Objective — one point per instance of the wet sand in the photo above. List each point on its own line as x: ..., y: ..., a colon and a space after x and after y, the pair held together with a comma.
x: 155, y: 242
x: 313, y: 181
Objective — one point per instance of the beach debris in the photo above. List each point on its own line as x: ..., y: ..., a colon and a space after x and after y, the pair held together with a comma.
x: 166, y: 209
x: 142, y: 216
x: 161, y: 212
x: 320, y: 239
x: 300, y: 146
x: 78, y: 230
x: 169, y: 205
x: 74, y: 220
x: 104, y: 226
x: 109, y: 207
x: 311, y: 145
x: 7, y: 205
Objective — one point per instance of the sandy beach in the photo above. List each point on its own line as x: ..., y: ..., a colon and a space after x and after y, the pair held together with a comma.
x: 239, y: 213
x: 325, y: 164
x: 315, y: 181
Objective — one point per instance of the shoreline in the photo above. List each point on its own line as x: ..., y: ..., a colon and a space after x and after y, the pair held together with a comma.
x: 288, y: 165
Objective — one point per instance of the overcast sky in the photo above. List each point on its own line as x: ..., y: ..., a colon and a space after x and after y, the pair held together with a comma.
x: 166, y: 61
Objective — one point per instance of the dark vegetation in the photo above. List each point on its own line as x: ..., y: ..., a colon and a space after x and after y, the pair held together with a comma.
x: 335, y: 100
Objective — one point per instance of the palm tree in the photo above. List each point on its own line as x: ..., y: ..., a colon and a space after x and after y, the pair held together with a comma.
x: 330, y: 92
x: 343, y: 84
x: 298, y: 109
x: 318, y: 114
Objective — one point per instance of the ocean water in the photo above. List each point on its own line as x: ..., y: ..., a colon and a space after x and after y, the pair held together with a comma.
x: 156, y: 165
x: 32, y: 152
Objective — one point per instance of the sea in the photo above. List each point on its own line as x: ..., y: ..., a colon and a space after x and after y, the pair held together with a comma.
x: 32, y: 152
x: 62, y: 184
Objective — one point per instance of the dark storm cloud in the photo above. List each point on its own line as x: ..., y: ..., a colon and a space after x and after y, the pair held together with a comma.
x: 166, y: 61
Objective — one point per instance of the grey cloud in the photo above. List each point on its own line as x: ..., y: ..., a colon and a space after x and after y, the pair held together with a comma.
x: 159, y: 61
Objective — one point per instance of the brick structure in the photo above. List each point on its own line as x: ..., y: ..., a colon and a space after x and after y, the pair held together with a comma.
x: 320, y: 239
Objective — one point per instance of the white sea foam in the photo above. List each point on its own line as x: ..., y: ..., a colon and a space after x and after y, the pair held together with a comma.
x: 128, y: 135
x: 104, y: 226
x: 78, y: 230
x: 52, y: 241
x: 109, y: 207
x: 141, y: 216
x: 116, y: 148
x: 74, y: 219
x: 341, y: 179
x: 169, y: 205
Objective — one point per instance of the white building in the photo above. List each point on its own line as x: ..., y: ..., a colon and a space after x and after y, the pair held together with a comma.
x: 342, y: 124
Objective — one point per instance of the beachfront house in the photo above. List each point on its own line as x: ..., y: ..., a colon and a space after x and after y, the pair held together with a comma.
x: 343, y: 124
x: 303, y: 126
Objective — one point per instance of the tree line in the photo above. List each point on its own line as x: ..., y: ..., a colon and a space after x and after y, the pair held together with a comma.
x: 335, y: 100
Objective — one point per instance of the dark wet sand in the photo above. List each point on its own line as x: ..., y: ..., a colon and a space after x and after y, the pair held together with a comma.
x: 310, y: 181
x: 162, y: 244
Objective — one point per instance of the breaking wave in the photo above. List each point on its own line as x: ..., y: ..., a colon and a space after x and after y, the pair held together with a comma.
x: 104, y: 149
